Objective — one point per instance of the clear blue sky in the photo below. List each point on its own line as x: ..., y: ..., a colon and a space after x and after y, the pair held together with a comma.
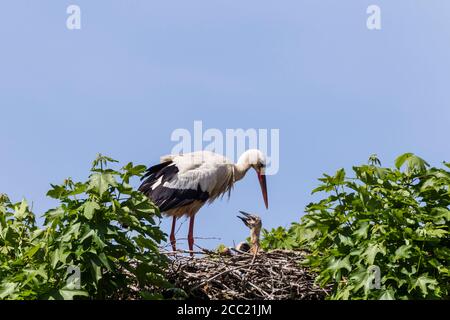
x: 140, y: 69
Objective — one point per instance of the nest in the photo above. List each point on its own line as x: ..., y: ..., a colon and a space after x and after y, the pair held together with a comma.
x: 274, y: 275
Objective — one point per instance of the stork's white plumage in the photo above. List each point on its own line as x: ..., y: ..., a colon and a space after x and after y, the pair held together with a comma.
x: 182, y: 184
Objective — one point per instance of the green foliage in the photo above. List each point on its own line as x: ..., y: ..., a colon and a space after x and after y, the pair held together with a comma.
x: 395, y: 219
x: 83, y: 233
x: 221, y: 248
x: 279, y: 238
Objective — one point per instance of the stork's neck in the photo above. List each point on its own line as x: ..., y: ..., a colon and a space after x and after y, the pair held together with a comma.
x: 240, y: 169
x: 254, y: 238
x: 242, y: 166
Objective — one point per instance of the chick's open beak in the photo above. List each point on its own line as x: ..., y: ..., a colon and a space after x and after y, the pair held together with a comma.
x: 246, y: 218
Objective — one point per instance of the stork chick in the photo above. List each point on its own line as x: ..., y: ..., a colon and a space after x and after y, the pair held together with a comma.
x: 254, y: 223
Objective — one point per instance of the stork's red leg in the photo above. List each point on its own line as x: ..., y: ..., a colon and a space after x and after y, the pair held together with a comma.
x: 172, y: 234
x: 191, y: 235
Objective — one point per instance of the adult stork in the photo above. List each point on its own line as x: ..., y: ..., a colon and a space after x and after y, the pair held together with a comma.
x: 181, y: 184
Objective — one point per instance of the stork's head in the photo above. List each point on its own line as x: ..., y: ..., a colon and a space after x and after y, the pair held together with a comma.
x: 252, y: 221
x: 255, y: 159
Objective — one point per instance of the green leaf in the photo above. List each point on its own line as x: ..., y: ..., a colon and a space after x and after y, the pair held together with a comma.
x: 57, y: 256
x: 134, y: 170
x: 339, y: 177
x: 402, y: 252
x: 362, y: 231
x: 414, y: 163
x: 442, y: 253
x: 69, y: 294
x: 7, y: 289
x: 30, y: 253
x: 89, y: 209
x: 70, y: 232
x: 443, y: 213
x: 55, y: 213
x: 102, y: 257
x: 100, y: 182
x: 89, y: 233
x: 424, y: 282
x: 57, y: 192
x: 337, y: 264
x: 374, y: 160
x: 387, y: 295
x: 402, y: 159
x: 439, y: 233
x: 21, y: 211
x: 96, y: 269
x: 372, y: 250
x: 319, y: 188
x: 102, y: 161
x: 346, y: 241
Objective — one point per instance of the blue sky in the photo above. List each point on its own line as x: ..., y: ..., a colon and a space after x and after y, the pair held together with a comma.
x: 137, y: 70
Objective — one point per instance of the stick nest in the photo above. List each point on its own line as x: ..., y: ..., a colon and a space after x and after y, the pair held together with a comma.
x: 274, y: 275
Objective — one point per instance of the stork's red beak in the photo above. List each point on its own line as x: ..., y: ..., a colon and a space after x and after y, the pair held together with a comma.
x: 262, y: 182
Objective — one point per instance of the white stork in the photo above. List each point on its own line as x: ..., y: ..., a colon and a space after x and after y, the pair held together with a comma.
x: 181, y: 184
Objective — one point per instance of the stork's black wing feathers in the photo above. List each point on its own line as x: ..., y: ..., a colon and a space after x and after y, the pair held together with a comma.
x: 169, y: 198
x: 155, y: 169
x: 165, y: 170
x: 164, y: 197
